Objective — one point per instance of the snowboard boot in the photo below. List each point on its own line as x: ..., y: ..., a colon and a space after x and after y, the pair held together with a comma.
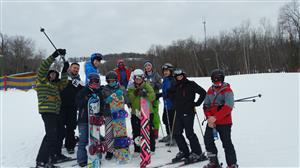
x: 44, y: 165
x: 83, y: 164
x: 233, y: 166
x: 213, y: 163
x: 193, y: 157
x: 70, y: 151
x: 165, y: 139
x: 109, y: 155
x: 179, y: 156
x: 60, y: 158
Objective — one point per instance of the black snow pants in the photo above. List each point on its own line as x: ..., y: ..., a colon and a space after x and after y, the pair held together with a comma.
x: 186, y: 122
x: 69, y: 118
x: 225, y: 136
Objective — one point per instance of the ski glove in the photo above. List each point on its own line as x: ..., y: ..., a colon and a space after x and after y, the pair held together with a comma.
x: 66, y: 67
x: 59, y: 52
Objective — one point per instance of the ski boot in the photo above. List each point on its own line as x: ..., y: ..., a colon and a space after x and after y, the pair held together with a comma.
x: 179, y: 156
x: 213, y: 163
x: 60, y: 158
x: 83, y: 164
x: 193, y: 158
x: 44, y: 165
x: 70, y: 151
x: 233, y: 166
x: 109, y: 155
x: 165, y: 139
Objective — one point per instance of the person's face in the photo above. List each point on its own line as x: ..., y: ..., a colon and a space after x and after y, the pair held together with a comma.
x: 179, y: 78
x: 138, y: 80
x: 148, y: 67
x: 96, y: 63
x: 166, y: 72
x: 74, y: 69
x: 52, y: 76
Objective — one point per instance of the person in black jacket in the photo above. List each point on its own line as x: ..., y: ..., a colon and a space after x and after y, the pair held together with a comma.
x: 183, y: 95
x: 68, y: 107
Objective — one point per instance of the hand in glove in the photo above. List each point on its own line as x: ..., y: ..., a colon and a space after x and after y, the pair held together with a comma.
x: 66, y: 67
x: 140, y: 92
x: 59, y: 52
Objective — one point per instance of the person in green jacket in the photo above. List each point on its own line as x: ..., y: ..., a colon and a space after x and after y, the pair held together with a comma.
x: 140, y: 88
x: 48, y: 87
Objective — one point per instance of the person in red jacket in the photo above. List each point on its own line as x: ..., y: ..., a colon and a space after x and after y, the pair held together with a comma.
x: 217, y: 107
x: 123, y: 73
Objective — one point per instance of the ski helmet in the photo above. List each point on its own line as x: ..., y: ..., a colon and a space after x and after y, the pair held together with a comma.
x: 111, y: 75
x: 138, y: 73
x: 96, y: 56
x: 94, y: 81
x: 178, y: 72
x: 217, y: 75
x: 167, y: 66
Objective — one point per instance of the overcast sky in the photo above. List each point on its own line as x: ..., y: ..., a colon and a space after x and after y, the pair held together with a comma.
x: 126, y: 26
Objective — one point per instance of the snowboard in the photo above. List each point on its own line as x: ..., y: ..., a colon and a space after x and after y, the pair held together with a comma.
x: 145, y: 133
x: 96, y: 146
x: 119, y: 115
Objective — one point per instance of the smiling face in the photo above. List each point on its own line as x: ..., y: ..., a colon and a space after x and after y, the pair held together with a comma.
x: 148, y: 67
x: 166, y: 72
x: 74, y: 69
x: 179, y: 77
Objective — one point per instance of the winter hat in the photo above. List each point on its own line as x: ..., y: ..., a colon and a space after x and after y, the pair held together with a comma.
x: 217, y: 75
x: 96, y: 56
x: 148, y: 63
x: 94, y: 81
x: 111, y: 75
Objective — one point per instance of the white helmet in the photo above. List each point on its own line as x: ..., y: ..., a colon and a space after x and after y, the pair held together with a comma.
x: 138, y: 73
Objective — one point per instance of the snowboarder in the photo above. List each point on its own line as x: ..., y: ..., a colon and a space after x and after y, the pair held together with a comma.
x: 48, y: 87
x: 169, y: 111
x: 92, y: 65
x: 68, y: 107
x: 183, y: 95
x: 140, y: 89
x: 217, y: 107
x: 112, y: 87
x: 93, y: 87
x: 123, y: 73
x: 155, y: 80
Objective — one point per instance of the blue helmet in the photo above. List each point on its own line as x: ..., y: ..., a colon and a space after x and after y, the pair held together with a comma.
x: 96, y: 56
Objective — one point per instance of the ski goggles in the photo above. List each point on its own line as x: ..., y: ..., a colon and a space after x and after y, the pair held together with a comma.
x: 178, y: 72
x: 94, y: 81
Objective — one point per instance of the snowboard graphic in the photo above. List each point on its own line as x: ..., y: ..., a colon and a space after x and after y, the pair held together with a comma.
x: 119, y: 115
x: 145, y: 133
x: 95, y: 147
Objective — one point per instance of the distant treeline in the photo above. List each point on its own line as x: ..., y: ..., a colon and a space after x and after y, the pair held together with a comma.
x: 243, y: 49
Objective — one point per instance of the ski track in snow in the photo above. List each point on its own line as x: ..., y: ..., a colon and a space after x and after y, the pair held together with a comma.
x: 264, y: 133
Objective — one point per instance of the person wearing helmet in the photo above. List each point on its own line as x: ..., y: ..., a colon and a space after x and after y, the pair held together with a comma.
x: 48, y: 86
x: 140, y: 89
x: 183, y: 95
x: 155, y: 80
x: 169, y: 111
x: 217, y: 108
x: 91, y: 89
x: 112, y: 87
x: 123, y: 73
x: 92, y: 65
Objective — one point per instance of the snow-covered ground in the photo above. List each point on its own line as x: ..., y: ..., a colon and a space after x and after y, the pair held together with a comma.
x: 265, y: 133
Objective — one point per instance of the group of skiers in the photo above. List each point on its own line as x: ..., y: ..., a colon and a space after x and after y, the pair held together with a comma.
x: 60, y: 99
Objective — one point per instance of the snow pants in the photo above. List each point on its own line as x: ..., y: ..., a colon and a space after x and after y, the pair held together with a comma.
x: 186, y: 123
x: 225, y: 136
x: 69, y: 117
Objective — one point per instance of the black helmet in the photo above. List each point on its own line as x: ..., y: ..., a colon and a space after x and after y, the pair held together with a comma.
x: 217, y: 75
x: 178, y: 72
x: 167, y: 66
x: 111, y: 75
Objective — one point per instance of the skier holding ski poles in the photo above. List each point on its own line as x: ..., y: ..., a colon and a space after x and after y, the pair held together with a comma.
x: 217, y: 107
x: 183, y: 95
x: 169, y: 111
x: 48, y: 87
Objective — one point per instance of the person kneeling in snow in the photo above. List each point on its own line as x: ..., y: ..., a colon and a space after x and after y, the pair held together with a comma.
x: 217, y: 108
x: 48, y: 87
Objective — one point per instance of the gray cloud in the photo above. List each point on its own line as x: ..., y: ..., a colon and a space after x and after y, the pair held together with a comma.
x: 113, y: 27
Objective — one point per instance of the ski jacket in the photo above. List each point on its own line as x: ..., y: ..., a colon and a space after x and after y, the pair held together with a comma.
x: 107, y: 91
x: 48, y: 92
x: 155, y: 80
x: 183, y: 95
x: 166, y: 85
x: 90, y: 68
x: 219, y: 103
x: 123, y: 76
x: 82, y: 103
x: 135, y: 100
x: 69, y: 93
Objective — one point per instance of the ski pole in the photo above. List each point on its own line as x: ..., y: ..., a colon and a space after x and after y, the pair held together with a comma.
x: 174, y: 118
x: 43, y: 31
x: 168, y: 121
x: 199, y: 124
x: 259, y: 95
x: 252, y: 100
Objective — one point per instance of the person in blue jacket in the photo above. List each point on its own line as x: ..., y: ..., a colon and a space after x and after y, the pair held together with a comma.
x: 92, y: 65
